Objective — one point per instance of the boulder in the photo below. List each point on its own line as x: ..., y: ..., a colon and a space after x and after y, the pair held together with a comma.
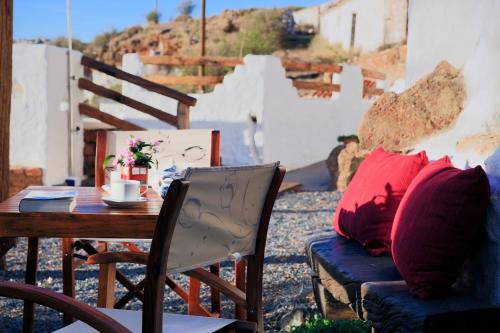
x: 481, y: 144
x: 333, y: 165
x: 398, y: 122
x: 343, y: 162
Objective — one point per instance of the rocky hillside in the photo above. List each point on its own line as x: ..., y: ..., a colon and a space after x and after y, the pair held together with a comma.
x: 232, y: 33
x: 235, y: 33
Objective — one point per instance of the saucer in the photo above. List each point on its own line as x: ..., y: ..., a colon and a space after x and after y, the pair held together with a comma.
x: 108, y: 200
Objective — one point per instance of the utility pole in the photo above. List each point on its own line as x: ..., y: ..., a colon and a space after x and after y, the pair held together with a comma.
x: 201, y: 69
x: 70, y: 90
x: 156, y: 7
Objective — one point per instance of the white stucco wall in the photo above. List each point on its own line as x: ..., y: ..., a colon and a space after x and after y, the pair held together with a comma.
x: 39, y: 136
x: 296, y: 131
x: 467, y: 36
x: 227, y: 108
x: 299, y: 131
x: 378, y: 22
x: 307, y: 16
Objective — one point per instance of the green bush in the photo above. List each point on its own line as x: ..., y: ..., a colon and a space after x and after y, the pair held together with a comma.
x: 63, y: 42
x: 102, y: 39
x: 263, y: 33
x: 153, y: 17
x: 320, y: 325
x: 186, y: 7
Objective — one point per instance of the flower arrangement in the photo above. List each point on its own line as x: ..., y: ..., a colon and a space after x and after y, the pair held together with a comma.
x: 138, y: 153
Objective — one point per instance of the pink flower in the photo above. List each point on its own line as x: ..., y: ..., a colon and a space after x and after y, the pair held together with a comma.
x: 154, y: 145
x: 132, y: 143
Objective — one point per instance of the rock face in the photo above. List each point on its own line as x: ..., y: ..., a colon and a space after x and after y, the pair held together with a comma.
x: 482, y: 144
x: 398, y: 122
x: 343, y: 162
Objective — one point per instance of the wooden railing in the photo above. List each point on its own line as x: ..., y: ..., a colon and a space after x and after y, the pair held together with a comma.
x: 328, y: 70
x: 180, y: 120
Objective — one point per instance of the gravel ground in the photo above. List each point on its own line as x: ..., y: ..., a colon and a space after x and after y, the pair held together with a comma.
x: 286, y: 275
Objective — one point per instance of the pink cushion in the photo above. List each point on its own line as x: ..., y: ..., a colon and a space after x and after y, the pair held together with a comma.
x: 367, y: 209
x: 437, y: 224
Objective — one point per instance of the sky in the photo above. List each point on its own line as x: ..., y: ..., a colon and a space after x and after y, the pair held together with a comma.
x: 47, y: 18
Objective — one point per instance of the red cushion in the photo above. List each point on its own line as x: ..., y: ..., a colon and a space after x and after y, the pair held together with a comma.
x: 367, y: 209
x: 437, y: 224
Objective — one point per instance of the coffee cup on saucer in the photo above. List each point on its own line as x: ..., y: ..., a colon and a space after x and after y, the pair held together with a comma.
x: 125, y: 190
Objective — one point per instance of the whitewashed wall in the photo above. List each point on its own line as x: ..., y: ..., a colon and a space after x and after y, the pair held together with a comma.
x: 39, y: 135
x: 295, y: 130
x: 227, y: 108
x: 300, y: 131
x: 378, y: 22
x: 466, y: 35
x: 307, y: 16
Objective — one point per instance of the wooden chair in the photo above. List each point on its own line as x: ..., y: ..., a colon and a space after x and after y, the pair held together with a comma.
x: 151, y: 319
x: 225, y: 214
x: 194, y: 148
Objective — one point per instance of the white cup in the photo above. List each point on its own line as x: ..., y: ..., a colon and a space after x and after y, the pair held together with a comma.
x: 125, y: 190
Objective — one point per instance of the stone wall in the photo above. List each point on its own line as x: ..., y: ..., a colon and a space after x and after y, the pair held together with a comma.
x: 21, y: 177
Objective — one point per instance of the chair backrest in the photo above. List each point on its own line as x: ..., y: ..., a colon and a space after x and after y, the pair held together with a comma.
x: 184, y: 148
x: 220, y: 216
x: 225, y: 213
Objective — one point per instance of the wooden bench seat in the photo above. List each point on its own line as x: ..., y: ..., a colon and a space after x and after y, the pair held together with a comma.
x: 345, y: 274
x: 342, y: 266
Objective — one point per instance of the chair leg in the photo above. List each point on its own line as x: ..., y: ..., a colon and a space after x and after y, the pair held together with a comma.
x: 240, y: 280
x: 214, y: 292
x: 194, y: 296
x: 68, y: 273
x: 106, y: 290
x: 30, y: 278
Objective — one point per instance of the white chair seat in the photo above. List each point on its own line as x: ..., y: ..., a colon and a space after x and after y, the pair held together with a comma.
x: 171, y: 322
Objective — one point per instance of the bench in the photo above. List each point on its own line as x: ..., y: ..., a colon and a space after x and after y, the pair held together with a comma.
x: 345, y: 274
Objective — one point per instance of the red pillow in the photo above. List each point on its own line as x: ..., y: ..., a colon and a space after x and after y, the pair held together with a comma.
x: 367, y: 209
x: 437, y: 224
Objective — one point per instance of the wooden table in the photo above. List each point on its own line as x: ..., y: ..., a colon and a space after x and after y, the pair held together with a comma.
x: 90, y: 219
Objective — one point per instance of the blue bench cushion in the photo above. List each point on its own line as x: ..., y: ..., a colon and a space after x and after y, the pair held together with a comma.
x: 343, y: 265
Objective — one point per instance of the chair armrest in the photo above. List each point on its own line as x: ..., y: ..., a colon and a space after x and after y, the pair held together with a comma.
x: 62, y: 303
x: 115, y: 257
x: 223, y: 286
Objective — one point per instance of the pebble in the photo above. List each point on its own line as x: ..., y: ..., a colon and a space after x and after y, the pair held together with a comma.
x: 287, y: 282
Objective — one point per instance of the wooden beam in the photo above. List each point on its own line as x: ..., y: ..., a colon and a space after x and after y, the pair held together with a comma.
x: 116, y: 96
x: 148, y: 85
x: 368, y: 91
x: 92, y: 112
x: 368, y: 73
x: 307, y: 85
x: 209, y: 61
x: 6, y: 12
x: 293, y: 65
x: 188, y: 80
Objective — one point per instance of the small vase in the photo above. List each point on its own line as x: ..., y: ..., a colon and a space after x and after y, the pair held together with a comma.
x: 136, y: 172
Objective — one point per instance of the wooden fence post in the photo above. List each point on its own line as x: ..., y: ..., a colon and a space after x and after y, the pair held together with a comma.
x: 6, y: 12
x: 182, y: 116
